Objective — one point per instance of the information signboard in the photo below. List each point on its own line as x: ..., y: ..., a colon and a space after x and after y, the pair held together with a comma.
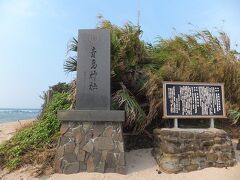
x: 193, y: 100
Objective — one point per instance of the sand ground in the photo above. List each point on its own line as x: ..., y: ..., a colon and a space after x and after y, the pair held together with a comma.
x: 7, y: 130
x: 140, y: 166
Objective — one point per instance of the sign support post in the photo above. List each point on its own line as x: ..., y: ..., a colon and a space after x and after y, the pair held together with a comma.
x: 175, y: 123
x: 212, y: 123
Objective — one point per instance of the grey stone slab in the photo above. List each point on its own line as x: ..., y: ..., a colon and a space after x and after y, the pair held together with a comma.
x: 93, y: 70
x: 103, y: 143
x: 91, y: 115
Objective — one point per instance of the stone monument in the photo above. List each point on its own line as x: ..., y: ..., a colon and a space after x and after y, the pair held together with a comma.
x: 91, y: 136
x: 183, y: 150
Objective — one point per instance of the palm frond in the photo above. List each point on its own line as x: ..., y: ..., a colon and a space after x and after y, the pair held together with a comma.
x: 72, y: 45
x: 136, y: 117
x: 235, y: 116
x: 70, y: 65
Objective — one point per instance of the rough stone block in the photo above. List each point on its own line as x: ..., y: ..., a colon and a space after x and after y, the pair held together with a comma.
x: 192, y: 167
x: 103, y: 143
x: 108, y: 131
x: 88, y: 147
x: 212, y: 157
x: 81, y: 155
x: 192, y: 150
x: 91, y: 147
x: 90, y: 165
x: 100, y: 167
x: 71, y: 168
x: 69, y: 147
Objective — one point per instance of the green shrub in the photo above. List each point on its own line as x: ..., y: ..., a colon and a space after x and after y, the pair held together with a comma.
x: 36, y: 136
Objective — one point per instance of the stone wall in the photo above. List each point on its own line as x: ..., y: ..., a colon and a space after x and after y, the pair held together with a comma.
x: 183, y: 150
x: 238, y: 145
x: 90, y: 147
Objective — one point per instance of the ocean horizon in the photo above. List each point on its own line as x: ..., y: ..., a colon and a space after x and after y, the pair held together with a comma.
x: 15, y: 114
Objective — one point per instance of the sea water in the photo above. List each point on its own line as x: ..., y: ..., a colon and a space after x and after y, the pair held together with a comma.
x: 11, y: 115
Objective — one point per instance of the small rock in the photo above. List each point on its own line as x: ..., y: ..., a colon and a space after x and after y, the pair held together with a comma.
x: 212, y: 157
x: 192, y: 167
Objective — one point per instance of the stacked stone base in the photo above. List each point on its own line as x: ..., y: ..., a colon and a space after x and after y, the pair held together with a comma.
x: 90, y: 147
x: 183, y: 150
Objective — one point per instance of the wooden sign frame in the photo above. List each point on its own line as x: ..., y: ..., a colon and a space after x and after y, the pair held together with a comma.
x: 165, y: 115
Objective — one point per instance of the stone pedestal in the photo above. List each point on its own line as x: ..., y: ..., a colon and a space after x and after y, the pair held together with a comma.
x: 86, y: 145
x: 183, y: 150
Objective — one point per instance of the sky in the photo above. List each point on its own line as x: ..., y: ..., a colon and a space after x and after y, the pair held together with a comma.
x: 34, y: 35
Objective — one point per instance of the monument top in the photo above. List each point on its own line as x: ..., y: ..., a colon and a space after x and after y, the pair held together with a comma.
x: 93, y: 70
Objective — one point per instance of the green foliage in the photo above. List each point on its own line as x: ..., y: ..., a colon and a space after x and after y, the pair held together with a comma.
x: 36, y: 136
x: 199, y: 57
x: 70, y: 64
x: 235, y: 116
x: 136, y: 117
x: 142, y: 67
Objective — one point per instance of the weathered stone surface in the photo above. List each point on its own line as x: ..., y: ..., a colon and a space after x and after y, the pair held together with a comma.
x: 108, y: 131
x: 96, y: 157
x: 186, y: 135
x: 70, y: 158
x: 170, y: 164
x: 92, y: 147
x: 88, y: 147
x: 121, y: 159
x: 104, y: 155
x: 100, y: 167
x: 238, y: 145
x: 87, y: 126
x: 63, y: 140
x: 219, y: 140
x: 212, y: 157
x: 64, y: 128
x: 81, y: 155
x: 121, y: 170
x: 171, y: 148
x: 83, y: 166
x: 58, y: 165
x: 71, y: 168
x: 204, y: 135
x: 78, y: 134
x: 117, y: 136
x: 192, y: 167
x: 103, y: 143
x: 60, y: 151
x: 192, y: 150
x: 120, y: 146
x: 111, y: 160
x: 69, y: 147
x: 90, y: 165
x: 98, y: 129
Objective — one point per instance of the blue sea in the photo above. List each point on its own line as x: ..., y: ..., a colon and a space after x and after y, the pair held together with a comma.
x: 11, y: 115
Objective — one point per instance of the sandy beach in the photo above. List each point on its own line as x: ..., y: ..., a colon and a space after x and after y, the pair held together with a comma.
x: 140, y: 166
x: 7, y: 130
